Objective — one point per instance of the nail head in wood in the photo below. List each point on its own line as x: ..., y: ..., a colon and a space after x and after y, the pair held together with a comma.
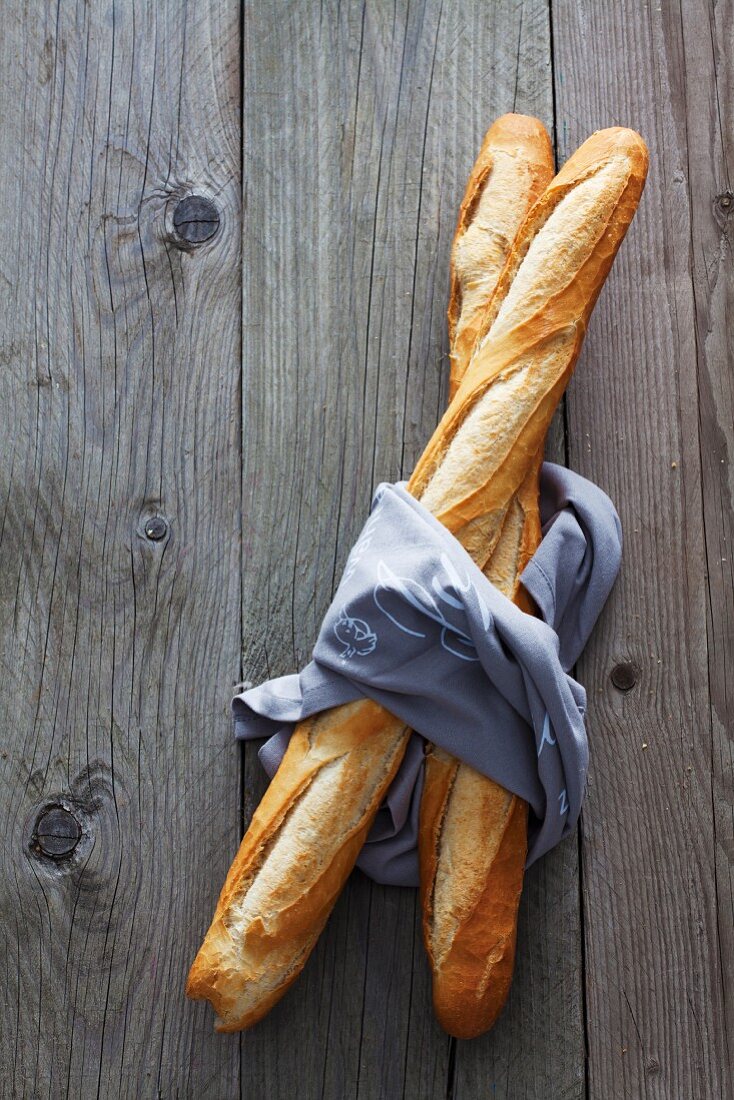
x: 195, y: 219
x: 624, y: 676
x: 57, y: 832
x: 156, y: 528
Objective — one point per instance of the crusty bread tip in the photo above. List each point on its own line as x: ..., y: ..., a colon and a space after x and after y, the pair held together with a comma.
x: 302, y: 843
x: 514, y: 166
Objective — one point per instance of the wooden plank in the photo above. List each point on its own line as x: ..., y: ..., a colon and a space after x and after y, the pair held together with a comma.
x: 361, y: 124
x: 120, y: 380
x: 709, y: 97
x: 643, y: 413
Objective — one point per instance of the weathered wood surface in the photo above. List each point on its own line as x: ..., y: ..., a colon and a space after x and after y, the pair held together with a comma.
x: 361, y: 126
x: 128, y: 395
x: 648, y: 419
x: 120, y: 396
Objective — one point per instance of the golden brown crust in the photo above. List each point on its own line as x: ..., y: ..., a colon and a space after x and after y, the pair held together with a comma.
x: 528, y: 497
x: 514, y: 166
x: 302, y: 843
x: 551, y: 329
x: 471, y: 981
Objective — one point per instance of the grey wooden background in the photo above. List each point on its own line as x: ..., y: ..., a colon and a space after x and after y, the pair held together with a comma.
x: 253, y: 390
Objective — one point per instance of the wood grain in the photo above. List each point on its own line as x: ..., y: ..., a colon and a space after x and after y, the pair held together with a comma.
x: 361, y: 125
x: 120, y: 389
x: 134, y: 386
x: 710, y: 96
x: 643, y: 423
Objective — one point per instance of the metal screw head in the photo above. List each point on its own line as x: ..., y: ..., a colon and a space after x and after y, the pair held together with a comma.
x: 57, y: 832
x: 156, y: 528
x: 196, y: 219
x: 624, y: 676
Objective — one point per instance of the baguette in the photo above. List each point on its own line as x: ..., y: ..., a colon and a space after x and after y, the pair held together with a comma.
x: 472, y: 838
x: 514, y: 166
x: 277, y: 897
x: 339, y: 764
x: 534, y: 325
x: 473, y: 834
x: 294, y: 859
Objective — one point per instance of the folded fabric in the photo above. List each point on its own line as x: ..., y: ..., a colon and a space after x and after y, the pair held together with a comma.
x: 417, y: 627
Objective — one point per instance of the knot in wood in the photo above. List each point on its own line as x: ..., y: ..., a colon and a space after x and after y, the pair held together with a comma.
x: 624, y: 676
x: 156, y: 528
x: 57, y: 832
x: 723, y: 207
x: 195, y: 219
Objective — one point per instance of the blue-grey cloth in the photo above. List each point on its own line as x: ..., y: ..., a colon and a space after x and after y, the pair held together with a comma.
x: 416, y: 626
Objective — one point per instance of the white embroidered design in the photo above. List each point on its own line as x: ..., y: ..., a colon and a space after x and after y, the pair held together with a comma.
x: 547, y: 738
x: 412, y: 595
x: 563, y: 799
x: 355, y: 635
x: 360, y: 547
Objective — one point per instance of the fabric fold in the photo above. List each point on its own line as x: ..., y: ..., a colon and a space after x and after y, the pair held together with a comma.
x: 416, y: 626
